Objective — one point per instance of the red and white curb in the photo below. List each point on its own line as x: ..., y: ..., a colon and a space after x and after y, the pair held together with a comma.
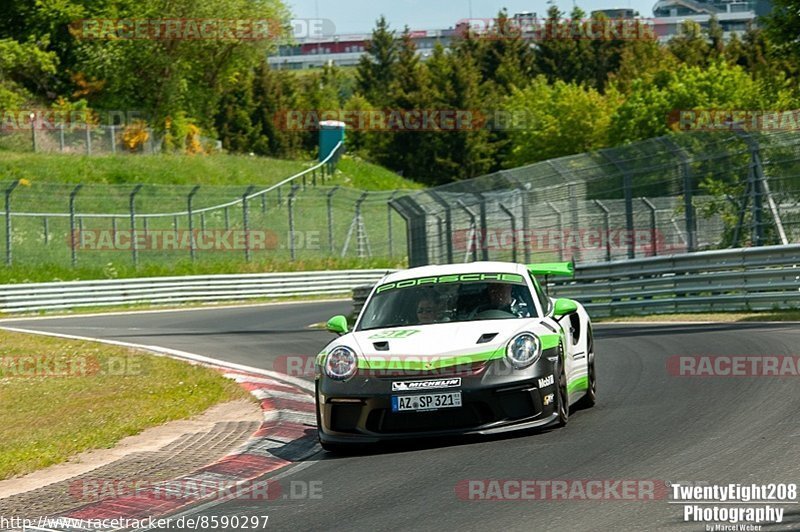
x: 287, y: 435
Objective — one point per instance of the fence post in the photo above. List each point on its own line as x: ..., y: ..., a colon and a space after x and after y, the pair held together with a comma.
x: 61, y: 137
x: 448, y: 223
x: 9, y: 190
x: 33, y: 131
x: 114, y: 229
x: 389, y: 222
x: 560, y: 230
x: 607, y: 229
x: 228, y: 219
x: 175, y: 226
x: 263, y: 203
x: 513, y: 231
x: 245, y: 221
x: 653, y: 230
x: 73, y: 251
x: 46, y: 230
x: 189, y: 202
x: 132, y: 206
x: 329, y: 201
x: 688, y: 206
x: 88, y: 140
x: 484, y: 230
x: 471, y: 241
x: 113, y: 140
x: 202, y: 222
x: 290, y: 205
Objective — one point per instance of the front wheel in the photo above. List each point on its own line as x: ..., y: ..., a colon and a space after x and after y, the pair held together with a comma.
x: 589, y: 400
x: 563, y: 397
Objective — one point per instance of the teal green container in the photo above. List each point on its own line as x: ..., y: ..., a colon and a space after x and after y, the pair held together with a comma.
x: 331, y: 133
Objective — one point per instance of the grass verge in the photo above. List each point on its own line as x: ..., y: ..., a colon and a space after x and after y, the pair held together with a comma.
x: 61, y: 397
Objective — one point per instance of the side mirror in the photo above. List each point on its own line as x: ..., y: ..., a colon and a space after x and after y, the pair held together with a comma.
x: 337, y: 324
x: 564, y: 307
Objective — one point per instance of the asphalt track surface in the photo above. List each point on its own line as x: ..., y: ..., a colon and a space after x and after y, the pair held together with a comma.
x: 648, y: 425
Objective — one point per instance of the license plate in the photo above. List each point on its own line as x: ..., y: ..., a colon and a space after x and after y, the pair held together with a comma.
x: 428, y: 401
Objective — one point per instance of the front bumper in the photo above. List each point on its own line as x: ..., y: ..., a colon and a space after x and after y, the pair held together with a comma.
x: 495, y: 398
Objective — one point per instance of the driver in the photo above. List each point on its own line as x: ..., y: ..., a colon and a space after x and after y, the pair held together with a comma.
x: 500, y: 297
x: 428, y: 309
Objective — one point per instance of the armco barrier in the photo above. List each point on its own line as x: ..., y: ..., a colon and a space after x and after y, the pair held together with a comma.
x: 758, y: 278
x: 166, y: 290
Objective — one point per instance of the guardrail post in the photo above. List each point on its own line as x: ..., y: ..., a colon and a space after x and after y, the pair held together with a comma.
x: 189, y: 201
x: 389, y: 222
x: 329, y: 200
x: 246, y: 221
x: 132, y: 206
x: 8, y: 191
x: 513, y: 231
x: 290, y: 205
x: 72, y: 243
x: 653, y: 230
x: 606, y: 228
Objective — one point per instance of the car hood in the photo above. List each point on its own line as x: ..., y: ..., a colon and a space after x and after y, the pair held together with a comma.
x: 442, y: 344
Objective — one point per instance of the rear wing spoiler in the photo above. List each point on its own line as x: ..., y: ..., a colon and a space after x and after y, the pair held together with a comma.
x: 566, y: 269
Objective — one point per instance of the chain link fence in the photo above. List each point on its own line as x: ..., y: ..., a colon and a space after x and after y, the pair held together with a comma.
x: 667, y: 195
x: 90, y: 140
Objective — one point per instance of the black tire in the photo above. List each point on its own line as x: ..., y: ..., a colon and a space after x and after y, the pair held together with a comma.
x: 563, y: 397
x: 589, y: 400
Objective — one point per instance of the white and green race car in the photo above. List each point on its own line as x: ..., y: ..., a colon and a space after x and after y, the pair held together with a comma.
x: 475, y: 348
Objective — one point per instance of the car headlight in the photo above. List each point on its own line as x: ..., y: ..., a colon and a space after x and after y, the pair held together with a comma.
x: 341, y: 363
x: 523, y: 350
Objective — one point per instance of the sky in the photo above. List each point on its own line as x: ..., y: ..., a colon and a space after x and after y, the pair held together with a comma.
x: 358, y: 16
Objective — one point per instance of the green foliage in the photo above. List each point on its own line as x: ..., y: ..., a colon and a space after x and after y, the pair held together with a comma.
x: 560, y: 119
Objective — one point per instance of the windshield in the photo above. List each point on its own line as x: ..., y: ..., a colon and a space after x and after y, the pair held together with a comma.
x: 449, y: 298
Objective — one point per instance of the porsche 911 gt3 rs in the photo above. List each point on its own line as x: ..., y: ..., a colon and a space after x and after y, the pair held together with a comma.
x: 475, y: 348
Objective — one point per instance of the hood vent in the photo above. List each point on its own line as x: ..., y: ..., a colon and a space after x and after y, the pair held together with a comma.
x: 381, y: 346
x: 488, y: 337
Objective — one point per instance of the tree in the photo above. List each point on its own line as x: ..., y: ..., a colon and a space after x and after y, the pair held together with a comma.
x: 690, y: 46
x: 560, y: 119
x: 375, y: 70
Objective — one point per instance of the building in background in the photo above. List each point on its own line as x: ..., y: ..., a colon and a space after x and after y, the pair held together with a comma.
x: 734, y: 16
